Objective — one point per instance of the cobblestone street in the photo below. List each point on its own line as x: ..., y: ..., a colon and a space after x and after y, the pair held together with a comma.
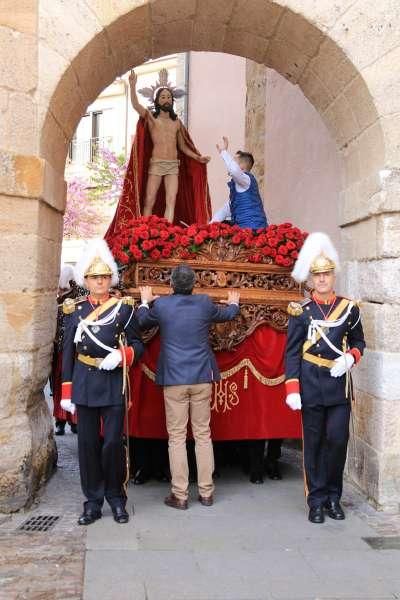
x: 254, y: 544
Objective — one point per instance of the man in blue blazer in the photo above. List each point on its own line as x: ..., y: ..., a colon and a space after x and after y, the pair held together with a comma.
x: 186, y: 369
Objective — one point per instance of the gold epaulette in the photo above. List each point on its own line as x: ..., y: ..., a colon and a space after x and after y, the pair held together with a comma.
x: 68, y: 306
x: 294, y: 309
x: 129, y: 300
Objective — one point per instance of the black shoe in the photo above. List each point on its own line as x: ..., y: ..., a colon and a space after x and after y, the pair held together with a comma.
x: 256, y: 478
x: 89, y: 516
x: 60, y: 428
x: 120, y: 514
x: 141, y: 477
x: 334, y: 510
x: 273, y: 471
x: 74, y: 428
x: 316, y: 514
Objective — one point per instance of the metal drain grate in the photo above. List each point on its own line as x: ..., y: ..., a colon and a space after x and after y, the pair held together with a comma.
x: 39, y: 523
x: 383, y: 543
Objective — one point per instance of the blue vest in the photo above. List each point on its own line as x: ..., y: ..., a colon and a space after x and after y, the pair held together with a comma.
x: 246, y: 207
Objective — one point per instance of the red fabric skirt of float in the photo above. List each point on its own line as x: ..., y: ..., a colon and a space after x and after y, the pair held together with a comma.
x: 248, y: 402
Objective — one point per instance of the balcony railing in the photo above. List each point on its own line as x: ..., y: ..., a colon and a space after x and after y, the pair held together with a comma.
x: 82, y: 152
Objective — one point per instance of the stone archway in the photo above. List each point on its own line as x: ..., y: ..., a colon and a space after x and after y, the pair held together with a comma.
x: 342, y: 55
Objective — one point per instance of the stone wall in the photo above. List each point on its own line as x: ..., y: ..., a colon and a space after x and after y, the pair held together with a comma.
x: 344, y: 56
x: 255, y: 126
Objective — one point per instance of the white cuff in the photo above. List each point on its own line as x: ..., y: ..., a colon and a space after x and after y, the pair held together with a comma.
x: 145, y: 304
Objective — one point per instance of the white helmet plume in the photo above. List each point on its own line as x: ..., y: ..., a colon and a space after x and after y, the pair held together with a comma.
x: 66, y: 274
x: 96, y: 249
x: 316, y: 244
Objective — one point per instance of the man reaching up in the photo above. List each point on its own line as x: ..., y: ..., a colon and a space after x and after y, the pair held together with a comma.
x: 245, y: 206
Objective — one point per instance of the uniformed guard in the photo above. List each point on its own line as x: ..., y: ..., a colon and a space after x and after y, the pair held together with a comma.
x: 101, y: 341
x: 325, y: 340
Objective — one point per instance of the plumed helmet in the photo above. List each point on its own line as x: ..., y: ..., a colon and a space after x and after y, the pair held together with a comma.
x: 96, y: 259
x: 317, y: 255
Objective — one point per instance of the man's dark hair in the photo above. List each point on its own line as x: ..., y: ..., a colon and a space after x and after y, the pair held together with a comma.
x: 183, y: 279
x: 246, y: 156
x: 157, y: 107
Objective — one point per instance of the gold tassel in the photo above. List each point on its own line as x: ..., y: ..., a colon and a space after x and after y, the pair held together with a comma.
x: 246, y: 379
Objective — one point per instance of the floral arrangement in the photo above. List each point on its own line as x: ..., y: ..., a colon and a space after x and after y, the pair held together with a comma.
x: 156, y: 238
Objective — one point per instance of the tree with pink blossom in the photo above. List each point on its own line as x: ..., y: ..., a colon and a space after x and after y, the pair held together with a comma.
x: 83, y: 213
x: 107, y: 174
x: 81, y: 218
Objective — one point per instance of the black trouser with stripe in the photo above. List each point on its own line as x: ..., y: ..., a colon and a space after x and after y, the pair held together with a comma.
x: 325, y: 438
x: 102, y: 461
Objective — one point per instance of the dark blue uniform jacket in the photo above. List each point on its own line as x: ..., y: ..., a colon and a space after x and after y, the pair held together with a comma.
x: 91, y: 386
x: 317, y: 386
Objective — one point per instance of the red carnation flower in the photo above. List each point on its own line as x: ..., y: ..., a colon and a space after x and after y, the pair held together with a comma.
x: 237, y: 238
x: 198, y: 239
x: 147, y: 245
x: 185, y: 240
x: 137, y: 254
x: 124, y: 258
x: 155, y: 254
x: 192, y: 230
x: 283, y: 250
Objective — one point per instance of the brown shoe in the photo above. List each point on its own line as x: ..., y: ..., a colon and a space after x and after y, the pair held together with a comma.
x: 174, y: 502
x: 206, y: 501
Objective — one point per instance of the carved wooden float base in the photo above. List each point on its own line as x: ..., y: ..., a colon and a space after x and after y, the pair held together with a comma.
x: 265, y: 292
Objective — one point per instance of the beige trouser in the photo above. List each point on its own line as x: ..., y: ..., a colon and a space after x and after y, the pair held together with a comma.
x: 180, y: 401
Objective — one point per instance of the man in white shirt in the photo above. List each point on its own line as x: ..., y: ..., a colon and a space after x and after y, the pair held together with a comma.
x: 245, y: 206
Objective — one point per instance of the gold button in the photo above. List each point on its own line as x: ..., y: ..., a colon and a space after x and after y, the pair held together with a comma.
x: 116, y: 335
x: 85, y: 347
x: 307, y: 308
x: 319, y: 355
x: 317, y: 345
x: 90, y: 368
x: 79, y: 307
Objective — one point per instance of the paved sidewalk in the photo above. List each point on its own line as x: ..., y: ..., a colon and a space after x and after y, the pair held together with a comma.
x: 254, y: 544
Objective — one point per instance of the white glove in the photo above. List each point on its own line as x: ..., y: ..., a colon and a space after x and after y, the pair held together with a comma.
x: 68, y: 406
x: 111, y: 361
x: 294, y: 401
x: 342, y: 364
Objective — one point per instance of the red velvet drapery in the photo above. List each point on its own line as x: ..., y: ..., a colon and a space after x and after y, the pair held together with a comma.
x: 257, y: 411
